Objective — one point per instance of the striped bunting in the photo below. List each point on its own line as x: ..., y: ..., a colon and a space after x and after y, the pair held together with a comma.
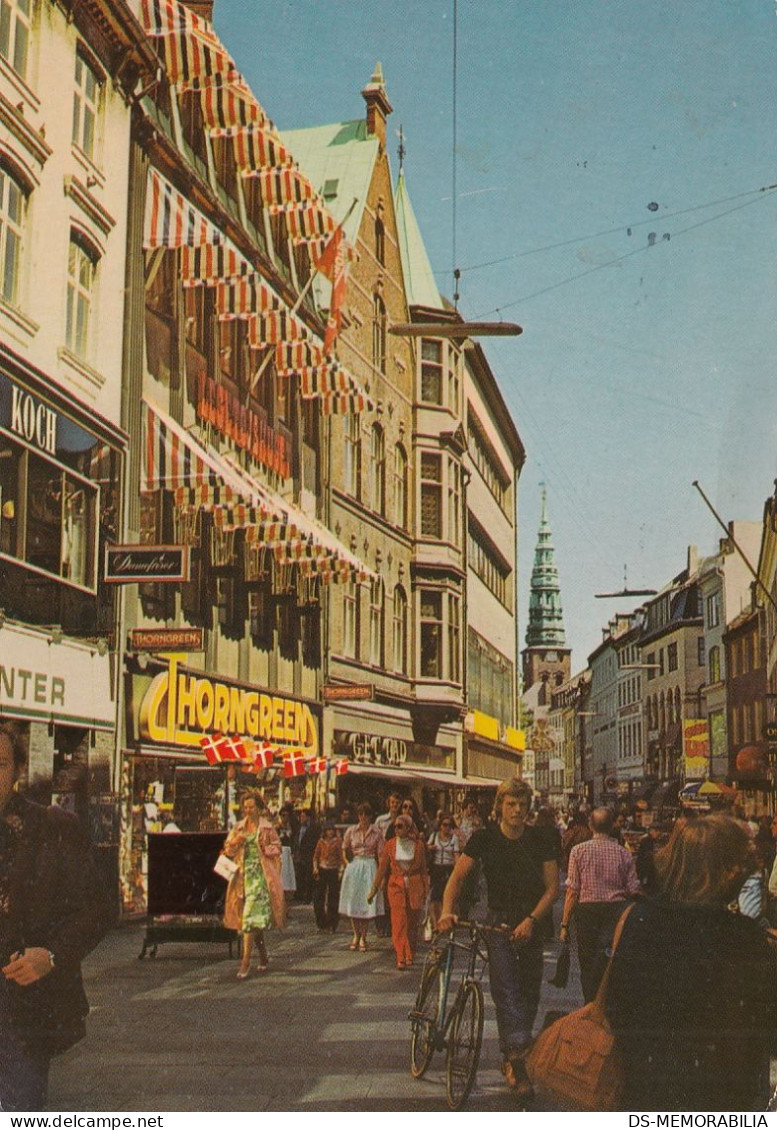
x: 276, y: 326
x: 209, y: 265
x: 256, y: 148
x: 305, y: 222
x: 170, y: 463
x: 229, y: 102
x: 171, y: 220
x: 241, y: 298
x: 285, y: 186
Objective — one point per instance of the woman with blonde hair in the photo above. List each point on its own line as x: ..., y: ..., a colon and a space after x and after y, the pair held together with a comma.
x: 255, y: 898
x: 692, y: 996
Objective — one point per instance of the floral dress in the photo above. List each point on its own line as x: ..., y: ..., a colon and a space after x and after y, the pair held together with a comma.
x: 257, y: 912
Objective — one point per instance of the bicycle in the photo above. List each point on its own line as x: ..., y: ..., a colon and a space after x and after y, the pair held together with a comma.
x: 458, y: 1030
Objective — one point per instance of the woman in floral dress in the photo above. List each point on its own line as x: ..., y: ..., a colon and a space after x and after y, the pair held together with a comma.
x: 255, y: 893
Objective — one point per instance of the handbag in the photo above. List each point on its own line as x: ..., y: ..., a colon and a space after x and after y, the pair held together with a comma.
x: 575, y: 1062
x: 225, y: 867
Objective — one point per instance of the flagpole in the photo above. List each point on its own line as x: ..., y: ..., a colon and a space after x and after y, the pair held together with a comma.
x: 299, y: 300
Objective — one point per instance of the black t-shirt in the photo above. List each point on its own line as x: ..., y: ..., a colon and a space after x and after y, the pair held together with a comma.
x: 513, y: 869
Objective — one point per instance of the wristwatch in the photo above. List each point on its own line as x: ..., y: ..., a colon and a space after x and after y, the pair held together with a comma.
x: 532, y: 919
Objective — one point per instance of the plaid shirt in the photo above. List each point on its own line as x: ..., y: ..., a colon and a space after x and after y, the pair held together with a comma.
x: 600, y: 870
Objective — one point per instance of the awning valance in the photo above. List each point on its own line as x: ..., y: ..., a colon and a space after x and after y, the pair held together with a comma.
x: 173, y: 221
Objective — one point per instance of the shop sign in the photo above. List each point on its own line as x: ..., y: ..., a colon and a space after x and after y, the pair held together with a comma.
x: 66, y: 682
x: 249, y: 430
x: 166, y: 639
x: 127, y: 564
x: 370, y: 749
x: 348, y: 692
x: 30, y: 418
x: 180, y: 707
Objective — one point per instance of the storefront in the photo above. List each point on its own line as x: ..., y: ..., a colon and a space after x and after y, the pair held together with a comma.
x: 492, y: 752
x: 167, y: 782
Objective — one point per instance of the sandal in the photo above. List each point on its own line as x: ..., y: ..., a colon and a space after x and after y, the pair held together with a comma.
x: 353, y: 945
x: 242, y: 974
x: 362, y: 945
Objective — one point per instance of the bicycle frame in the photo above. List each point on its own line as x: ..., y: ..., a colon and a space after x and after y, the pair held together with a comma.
x: 475, y: 952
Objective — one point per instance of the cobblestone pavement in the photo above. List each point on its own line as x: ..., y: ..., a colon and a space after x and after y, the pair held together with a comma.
x: 325, y: 1029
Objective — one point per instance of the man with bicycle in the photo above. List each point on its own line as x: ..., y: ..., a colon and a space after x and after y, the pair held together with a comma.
x: 520, y: 864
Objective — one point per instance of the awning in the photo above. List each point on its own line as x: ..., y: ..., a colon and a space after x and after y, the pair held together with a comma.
x: 707, y: 790
x: 418, y: 773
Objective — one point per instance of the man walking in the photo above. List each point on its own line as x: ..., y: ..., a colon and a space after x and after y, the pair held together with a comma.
x: 304, y: 845
x: 601, y: 880
x: 521, y: 872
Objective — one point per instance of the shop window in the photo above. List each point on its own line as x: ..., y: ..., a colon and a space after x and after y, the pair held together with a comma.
x: 431, y: 634
x: 11, y: 498
x: 15, y: 33
x: 378, y: 469
x: 85, y: 105
x: 399, y: 634
x: 13, y: 206
x: 81, y: 273
x: 379, y: 331
x: 376, y: 624
x: 400, y: 487
x: 431, y: 371
x: 353, y: 455
x: 431, y: 495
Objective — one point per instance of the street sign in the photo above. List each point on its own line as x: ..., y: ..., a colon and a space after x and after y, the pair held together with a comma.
x: 347, y: 692
x: 167, y: 639
x: 770, y: 731
x: 136, y: 564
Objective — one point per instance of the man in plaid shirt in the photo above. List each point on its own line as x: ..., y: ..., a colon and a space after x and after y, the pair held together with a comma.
x: 601, y: 880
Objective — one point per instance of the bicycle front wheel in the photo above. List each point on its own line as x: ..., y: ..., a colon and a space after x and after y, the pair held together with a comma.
x: 464, y: 1042
x: 423, y: 1018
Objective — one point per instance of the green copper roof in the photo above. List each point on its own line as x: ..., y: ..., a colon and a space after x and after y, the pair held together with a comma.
x: 419, y: 277
x: 339, y: 160
x: 546, y: 620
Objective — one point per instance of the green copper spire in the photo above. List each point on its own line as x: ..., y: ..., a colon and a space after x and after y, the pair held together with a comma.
x: 546, y: 620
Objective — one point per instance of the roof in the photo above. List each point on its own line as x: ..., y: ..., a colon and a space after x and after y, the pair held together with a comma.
x: 420, y: 286
x: 339, y: 159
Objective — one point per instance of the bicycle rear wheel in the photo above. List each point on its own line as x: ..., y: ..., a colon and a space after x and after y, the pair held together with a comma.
x: 464, y: 1042
x: 423, y: 1018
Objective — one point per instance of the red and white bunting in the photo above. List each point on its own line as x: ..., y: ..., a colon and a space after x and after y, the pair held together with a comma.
x: 171, y: 220
x: 208, y: 265
x: 232, y: 748
x: 256, y: 148
x: 317, y: 765
x: 243, y: 297
x: 285, y: 186
x: 340, y: 766
x: 294, y: 765
x: 305, y: 222
x: 263, y: 756
x: 275, y: 327
x: 210, y: 745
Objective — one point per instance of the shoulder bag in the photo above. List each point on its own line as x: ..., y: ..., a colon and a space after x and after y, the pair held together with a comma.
x: 574, y: 1062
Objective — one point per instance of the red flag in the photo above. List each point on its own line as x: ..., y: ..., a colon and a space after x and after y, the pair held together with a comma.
x: 294, y: 765
x: 232, y: 749
x: 211, y: 747
x: 341, y: 766
x: 317, y: 765
x: 332, y: 263
x: 264, y: 755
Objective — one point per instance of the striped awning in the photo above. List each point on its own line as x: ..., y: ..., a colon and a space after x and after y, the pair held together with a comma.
x: 174, y: 459
x: 290, y: 357
x: 168, y: 17
x: 173, y: 221
x: 239, y: 298
x: 273, y: 327
x: 256, y: 148
x: 308, y: 222
x: 228, y: 101
x: 209, y: 265
x: 285, y: 186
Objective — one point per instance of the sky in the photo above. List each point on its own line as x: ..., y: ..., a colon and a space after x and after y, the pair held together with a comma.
x: 609, y: 157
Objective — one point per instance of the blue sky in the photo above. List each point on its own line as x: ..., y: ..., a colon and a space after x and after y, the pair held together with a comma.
x: 573, y: 119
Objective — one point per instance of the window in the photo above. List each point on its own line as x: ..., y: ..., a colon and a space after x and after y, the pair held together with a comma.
x: 431, y: 371
x: 378, y: 469
x: 713, y: 610
x: 350, y: 619
x: 81, y: 269
x: 671, y: 656
x: 87, y: 93
x: 15, y: 33
x: 453, y: 380
x: 400, y: 487
x: 399, y: 641
x: 454, y: 502
x: 701, y: 651
x: 431, y: 495
x: 488, y: 464
x: 376, y: 624
x: 353, y: 455
x: 661, y: 661
x: 454, y: 639
x: 379, y: 333
x: 380, y: 241
x: 431, y: 634
x: 489, y: 679
x: 651, y: 665
x: 486, y: 562
x: 13, y: 202
x: 714, y: 664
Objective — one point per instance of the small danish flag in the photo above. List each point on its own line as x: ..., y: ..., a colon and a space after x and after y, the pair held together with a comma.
x: 211, y: 747
x: 317, y: 765
x: 294, y: 765
x: 232, y: 749
x: 263, y: 755
x: 340, y: 766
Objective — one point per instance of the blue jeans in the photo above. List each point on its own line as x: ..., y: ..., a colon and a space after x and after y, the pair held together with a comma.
x: 515, y: 972
x: 23, y: 1075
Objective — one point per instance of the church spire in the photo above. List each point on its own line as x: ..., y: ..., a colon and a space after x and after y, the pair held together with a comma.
x: 546, y: 620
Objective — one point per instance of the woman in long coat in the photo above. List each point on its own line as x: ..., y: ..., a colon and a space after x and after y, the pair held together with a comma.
x: 255, y: 897
x: 404, y: 862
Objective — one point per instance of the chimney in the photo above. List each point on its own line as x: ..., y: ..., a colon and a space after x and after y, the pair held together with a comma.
x: 378, y: 106
x: 202, y: 8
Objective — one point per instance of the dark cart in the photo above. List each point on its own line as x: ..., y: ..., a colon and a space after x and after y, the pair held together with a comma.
x: 185, y: 897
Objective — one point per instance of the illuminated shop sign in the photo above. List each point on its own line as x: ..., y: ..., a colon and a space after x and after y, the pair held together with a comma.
x: 180, y: 706
x: 370, y: 749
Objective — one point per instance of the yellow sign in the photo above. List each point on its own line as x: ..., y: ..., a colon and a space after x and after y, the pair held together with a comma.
x: 180, y: 707
x: 696, y: 747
